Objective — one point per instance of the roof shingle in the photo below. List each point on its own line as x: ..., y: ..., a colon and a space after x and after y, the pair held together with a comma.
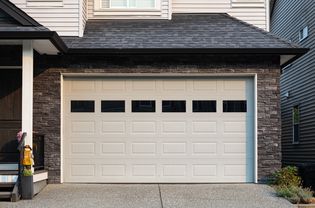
x: 184, y: 31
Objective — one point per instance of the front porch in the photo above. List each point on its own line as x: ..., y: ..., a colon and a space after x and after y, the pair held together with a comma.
x: 16, y: 114
x: 21, y: 37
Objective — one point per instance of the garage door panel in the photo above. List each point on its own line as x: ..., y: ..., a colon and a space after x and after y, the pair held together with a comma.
x: 116, y: 148
x: 174, y: 85
x: 173, y: 127
x: 113, y: 85
x: 82, y: 148
x: 83, y: 127
x: 158, y: 147
x: 144, y: 127
x: 205, y: 85
x: 144, y: 148
x: 144, y: 85
x: 113, y: 170
x: 204, y: 148
x: 114, y: 127
x: 174, y: 148
x: 204, y: 127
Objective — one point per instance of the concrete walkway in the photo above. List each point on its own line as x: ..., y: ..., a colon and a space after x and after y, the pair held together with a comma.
x: 154, y: 196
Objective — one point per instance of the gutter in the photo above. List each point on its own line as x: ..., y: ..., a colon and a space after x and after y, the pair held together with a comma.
x: 36, y: 35
x: 296, y: 52
x: 57, y: 41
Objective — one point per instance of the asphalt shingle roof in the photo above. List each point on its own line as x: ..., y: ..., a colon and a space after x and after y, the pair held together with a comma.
x: 184, y: 31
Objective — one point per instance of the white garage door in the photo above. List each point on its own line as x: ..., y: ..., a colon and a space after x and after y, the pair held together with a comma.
x: 175, y: 130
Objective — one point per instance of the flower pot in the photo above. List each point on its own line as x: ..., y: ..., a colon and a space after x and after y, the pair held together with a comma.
x: 27, y: 187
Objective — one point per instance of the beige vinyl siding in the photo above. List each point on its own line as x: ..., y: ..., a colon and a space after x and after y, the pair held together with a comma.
x: 83, y: 16
x: 201, y: 6
x: 250, y: 11
x: 62, y: 18
x: 163, y: 13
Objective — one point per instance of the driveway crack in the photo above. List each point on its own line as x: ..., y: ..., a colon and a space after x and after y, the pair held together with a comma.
x: 161, y: 200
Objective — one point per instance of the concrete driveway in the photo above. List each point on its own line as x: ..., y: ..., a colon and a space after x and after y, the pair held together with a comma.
x: 154, y: 196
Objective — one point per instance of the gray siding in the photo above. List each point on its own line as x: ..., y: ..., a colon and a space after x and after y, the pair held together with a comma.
x: 289, y: 17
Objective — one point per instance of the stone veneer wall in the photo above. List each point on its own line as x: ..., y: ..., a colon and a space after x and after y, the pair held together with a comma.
x: 47, y: 94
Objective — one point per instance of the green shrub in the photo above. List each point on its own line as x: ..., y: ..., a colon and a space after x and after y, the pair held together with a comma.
x: 27, y: 172
x: 295, y: 194
x: 287, y: 176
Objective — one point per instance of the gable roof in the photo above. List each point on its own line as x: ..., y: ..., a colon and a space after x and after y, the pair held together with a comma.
x: 17, y: 14
x: 215, y: 33
x: 17, y: 25
x: 6, y: 20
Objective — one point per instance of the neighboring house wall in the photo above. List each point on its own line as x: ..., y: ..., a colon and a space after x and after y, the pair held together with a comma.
x: 289, y: 17
x: 47, y: 95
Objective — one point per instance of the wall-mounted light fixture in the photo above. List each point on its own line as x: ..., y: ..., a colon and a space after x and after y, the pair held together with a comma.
x: 287, y: 95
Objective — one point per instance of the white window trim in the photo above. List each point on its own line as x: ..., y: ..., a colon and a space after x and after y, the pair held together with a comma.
x: 302, y: 37
x: 98, y: 7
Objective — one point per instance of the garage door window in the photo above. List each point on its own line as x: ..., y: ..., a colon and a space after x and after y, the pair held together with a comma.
x: 82, y: 106
x: 113, y: 106
x: 204, y: 106
x: 234, y: 106
x: 173, y: 106
x: 143, y: 106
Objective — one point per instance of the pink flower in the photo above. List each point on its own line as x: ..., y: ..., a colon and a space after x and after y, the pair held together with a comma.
x: 19, y: 135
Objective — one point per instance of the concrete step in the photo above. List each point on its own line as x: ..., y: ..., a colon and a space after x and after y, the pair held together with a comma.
x: 5, y: 195
x: 7, y: 184
x: 9, y: 172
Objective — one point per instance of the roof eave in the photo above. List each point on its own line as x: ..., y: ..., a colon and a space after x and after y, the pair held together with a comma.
x: 271, y: 51
x: 35, y: 35
x: 16, y: 13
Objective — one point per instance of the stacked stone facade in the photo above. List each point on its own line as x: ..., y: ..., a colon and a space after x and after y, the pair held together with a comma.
x: 47, y: 94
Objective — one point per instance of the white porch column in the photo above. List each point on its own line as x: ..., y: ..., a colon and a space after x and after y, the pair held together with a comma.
x: 27, y: 91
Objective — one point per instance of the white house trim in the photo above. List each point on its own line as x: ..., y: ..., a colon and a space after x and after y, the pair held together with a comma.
x: 61, y: 128
x: 267, y: 3
x: 253, y: 76
x: 256, y: 129
x: 40, y: 176
x: 27, y: 91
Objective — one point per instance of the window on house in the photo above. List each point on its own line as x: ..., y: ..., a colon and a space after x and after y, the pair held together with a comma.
x: 113, y: 106
x: 303, y: 33
x: 173, y: 106
x: 82, y: 106
x: 234, y: 106
x: 204, y: 106
x: 296, y: 124
x: 143, y: 106
x: 128, y: 4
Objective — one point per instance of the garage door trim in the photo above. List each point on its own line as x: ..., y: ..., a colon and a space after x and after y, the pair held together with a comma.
x: 253, y: 76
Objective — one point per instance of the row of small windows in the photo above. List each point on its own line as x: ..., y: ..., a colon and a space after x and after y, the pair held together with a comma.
x: 149, y: 106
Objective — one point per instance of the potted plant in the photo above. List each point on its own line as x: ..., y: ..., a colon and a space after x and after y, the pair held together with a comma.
x: 27, y: 187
